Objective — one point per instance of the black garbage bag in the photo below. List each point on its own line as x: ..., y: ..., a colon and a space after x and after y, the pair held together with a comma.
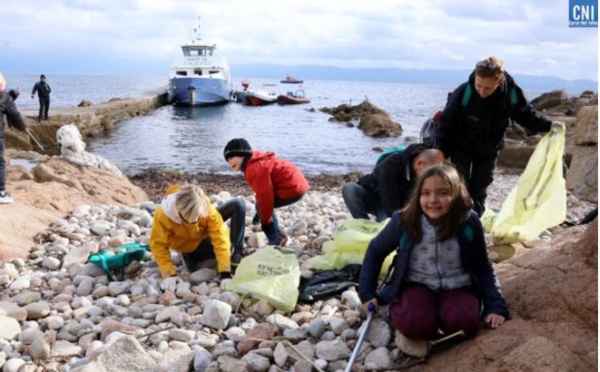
x: 328, y: 283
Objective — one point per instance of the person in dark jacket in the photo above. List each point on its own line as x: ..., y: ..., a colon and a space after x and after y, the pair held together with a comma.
x: 442, y: 277
x: 276, y: 183
x: 43, y: 91
x: 473, y: 123
x: 386, y: 189
x: 14, y: 120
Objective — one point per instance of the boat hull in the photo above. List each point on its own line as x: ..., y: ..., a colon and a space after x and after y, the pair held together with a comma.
x: 260, y: 98
x: 284, y: 99
x: 199, y: 91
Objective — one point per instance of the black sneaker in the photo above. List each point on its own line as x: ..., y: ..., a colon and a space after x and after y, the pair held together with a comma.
x: 236, y: 258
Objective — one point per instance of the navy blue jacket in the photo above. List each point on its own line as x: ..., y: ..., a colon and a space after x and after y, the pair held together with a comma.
x: 473, y: 256
x: 478, y: 128
x: 392, y: 180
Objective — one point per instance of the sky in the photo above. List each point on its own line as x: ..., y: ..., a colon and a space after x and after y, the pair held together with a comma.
x: 144, y: 36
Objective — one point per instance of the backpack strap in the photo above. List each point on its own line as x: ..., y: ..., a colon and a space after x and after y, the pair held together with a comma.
x: 466, y: 95
x: 513, y: 97
x: 468, y: 233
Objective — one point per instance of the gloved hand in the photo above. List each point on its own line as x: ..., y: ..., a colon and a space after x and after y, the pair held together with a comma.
x: 557, y: 126
x: 225, y: 278
x: 169, y: 284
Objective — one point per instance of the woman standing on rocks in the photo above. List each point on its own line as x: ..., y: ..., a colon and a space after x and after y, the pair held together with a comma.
x: 473, y: 123
x: 442, y: 276
x: 15, y: 120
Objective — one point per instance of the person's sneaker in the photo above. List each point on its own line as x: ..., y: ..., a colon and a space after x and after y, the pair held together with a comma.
x: 5, y: 198
x: 282, y: 241
x: 236, y: 258
x: 410, y: 347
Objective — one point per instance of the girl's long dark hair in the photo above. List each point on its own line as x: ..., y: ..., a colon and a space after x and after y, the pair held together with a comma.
x: 460, y: 205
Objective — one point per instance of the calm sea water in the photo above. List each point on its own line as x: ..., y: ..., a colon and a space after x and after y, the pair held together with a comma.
x: 192, y: 139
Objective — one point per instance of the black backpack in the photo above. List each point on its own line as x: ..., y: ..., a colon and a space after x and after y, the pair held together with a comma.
x: 429, y: 130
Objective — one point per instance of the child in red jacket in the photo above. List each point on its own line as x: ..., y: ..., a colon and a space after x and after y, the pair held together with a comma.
x: 276, y: 183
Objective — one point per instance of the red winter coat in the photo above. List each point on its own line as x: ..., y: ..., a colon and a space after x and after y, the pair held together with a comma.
x: 272, y: 177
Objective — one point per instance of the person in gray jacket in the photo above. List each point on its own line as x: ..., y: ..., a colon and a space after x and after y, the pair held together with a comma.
x: 14, y: 120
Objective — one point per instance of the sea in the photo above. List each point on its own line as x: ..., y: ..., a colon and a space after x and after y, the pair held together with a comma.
x: 192, y: 139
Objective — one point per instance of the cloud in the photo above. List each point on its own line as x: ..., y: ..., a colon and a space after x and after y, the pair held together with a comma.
x: 532, y: 36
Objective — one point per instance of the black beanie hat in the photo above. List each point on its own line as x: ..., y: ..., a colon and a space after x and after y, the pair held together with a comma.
x: 237, y: 147
x: 42, y: 76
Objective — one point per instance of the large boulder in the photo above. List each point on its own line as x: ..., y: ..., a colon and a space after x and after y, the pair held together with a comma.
x: 550, y: 99
x: 552, y: 293
x: 582, y: 179
x: 379, y: 125
x: 50, y: 191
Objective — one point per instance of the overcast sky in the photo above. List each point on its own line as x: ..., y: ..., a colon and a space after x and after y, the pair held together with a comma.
x: 126, y: 36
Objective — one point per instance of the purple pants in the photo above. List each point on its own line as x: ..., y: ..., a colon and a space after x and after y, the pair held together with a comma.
x: 420, y: 312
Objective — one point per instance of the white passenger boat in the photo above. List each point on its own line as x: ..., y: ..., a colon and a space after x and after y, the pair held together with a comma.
x: 200, y: 77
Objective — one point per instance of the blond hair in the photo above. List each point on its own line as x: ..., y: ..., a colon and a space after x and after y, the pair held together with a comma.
x: 490, y: 67
x: 2, y: 82
x: 191, y: 203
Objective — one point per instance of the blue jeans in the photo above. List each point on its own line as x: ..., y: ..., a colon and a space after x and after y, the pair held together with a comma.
x: 361, y: 202
x: 234, y: 209
x: 278, y: 203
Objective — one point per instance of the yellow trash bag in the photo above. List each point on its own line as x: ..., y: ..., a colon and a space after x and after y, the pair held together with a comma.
x: 272, y: 274
x: 539, y: 200
x: 349, y: 245
x: 487, y: 219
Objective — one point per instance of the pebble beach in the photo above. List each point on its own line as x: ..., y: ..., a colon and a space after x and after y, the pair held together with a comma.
x: 64, y: 315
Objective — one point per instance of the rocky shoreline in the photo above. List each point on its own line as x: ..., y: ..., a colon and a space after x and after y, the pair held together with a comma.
x: 58, y: 312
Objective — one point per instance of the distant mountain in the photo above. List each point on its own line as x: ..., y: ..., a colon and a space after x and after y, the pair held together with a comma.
x: 449, y: 78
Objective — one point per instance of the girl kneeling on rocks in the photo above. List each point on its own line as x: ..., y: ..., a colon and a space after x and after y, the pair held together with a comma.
x: 442, y: 277
x: 188, y: 223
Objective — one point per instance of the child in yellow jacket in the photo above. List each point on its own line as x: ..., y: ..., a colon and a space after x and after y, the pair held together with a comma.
x: 187, y: 222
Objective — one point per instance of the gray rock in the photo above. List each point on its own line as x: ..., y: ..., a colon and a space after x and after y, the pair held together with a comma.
x: 40, y: 349
x: 11, y: 310
x: 216, y: 314
x: 202, y: 275
x: 9, y: 328
x: 202, y: 358
x: 332, y: 350
x: 256, y: 362
x: 176, y: 361
x: 125, y: 354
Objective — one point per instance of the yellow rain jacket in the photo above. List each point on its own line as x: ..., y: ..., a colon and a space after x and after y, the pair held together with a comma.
x: 170, y: 232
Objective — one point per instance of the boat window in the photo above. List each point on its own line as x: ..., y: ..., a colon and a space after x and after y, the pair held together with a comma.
x: 198, y: 72
x: 181, y: 73
x: 213, y: 72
